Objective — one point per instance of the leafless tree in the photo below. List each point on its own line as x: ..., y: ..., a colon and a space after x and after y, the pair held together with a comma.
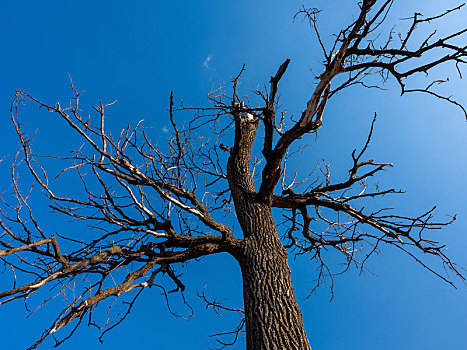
x: 151, y: 208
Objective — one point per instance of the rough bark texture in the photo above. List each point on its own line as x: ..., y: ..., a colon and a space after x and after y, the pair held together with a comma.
x: 273, y: 318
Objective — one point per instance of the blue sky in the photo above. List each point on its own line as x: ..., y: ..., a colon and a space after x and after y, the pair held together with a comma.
x: 136, y: 52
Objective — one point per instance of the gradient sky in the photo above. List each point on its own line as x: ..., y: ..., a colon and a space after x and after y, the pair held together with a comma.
x: 136, y: 52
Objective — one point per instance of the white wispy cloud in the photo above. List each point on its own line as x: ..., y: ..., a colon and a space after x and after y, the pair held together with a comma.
x: 206, y: 61
x: 165, y: 130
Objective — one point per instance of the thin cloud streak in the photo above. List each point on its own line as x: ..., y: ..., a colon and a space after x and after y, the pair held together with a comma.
x: 206, y: 61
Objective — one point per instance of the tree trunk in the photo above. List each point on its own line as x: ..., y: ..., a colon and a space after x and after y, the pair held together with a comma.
x: 273, y: 318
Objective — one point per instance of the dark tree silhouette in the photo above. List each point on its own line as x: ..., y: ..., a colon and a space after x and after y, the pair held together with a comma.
x: 151, y: 208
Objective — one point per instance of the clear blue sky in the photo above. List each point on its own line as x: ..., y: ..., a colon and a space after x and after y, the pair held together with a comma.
x: 136, y: 52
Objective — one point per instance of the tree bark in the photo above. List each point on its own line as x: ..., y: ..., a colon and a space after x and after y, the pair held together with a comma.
x: 273, y: 318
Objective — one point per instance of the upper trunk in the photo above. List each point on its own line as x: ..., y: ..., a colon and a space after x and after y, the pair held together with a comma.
x: 273, y: 318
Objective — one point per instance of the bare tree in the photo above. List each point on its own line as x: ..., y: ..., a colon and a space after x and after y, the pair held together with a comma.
x: 151, y: 208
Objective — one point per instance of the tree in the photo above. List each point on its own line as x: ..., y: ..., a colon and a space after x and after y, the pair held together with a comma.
x: 151, y: 208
